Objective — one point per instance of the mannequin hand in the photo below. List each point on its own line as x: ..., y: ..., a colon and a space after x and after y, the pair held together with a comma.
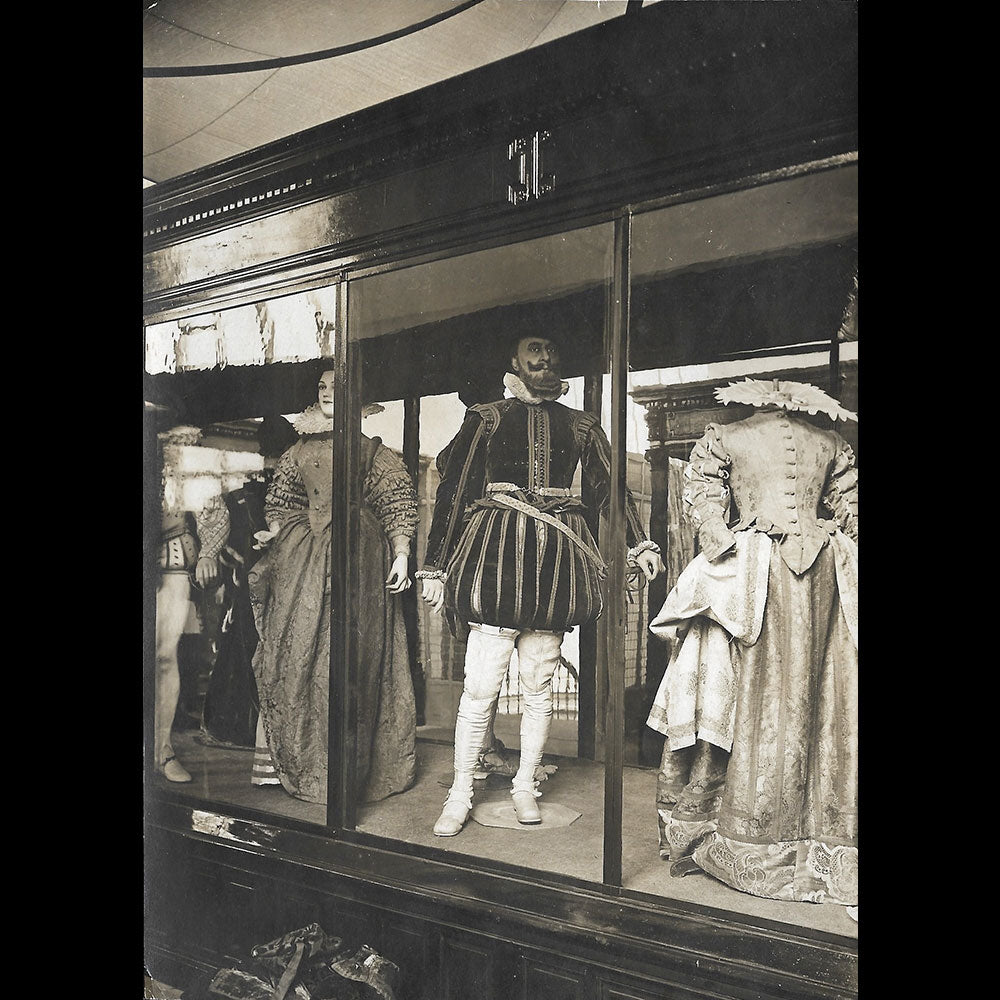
x: 650, y: 563
x: 207, y: 571
x: 398, y: 579
x: 433, y: 594
x: 262, y: 539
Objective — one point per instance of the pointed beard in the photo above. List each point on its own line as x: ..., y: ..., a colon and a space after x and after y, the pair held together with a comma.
x: 545, y: 380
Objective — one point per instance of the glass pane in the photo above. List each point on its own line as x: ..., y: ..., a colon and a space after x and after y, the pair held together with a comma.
x: 469, y: 357
x: 239, y: 542
x: 741, y: 723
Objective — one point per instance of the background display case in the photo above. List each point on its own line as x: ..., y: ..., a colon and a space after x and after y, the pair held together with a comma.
x: 675, y: 194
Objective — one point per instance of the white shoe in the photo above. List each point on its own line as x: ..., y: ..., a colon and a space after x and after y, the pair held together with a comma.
x: 452, y: 819
x: 526, y: 808
x: 173, y: 770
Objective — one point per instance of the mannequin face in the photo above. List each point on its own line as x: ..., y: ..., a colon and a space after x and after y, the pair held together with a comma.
x: 325, y: 393
x: 537, y: 363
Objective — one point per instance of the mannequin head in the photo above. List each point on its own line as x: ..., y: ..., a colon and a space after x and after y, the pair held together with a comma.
x: 536, y: 361
x: 324, y: 392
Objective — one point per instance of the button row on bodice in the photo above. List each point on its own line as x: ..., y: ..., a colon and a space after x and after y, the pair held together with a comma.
x: 789, y: 438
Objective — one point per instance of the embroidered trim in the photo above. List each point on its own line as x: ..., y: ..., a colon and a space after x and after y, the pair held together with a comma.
x: 181, y: 434
x: 545, y: 491
x: 430, y: 574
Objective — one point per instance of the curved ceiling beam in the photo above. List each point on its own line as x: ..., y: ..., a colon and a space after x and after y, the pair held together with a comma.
x: 279, y: 61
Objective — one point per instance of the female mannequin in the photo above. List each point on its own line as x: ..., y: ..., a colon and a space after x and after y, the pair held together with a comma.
x: 290, y: 596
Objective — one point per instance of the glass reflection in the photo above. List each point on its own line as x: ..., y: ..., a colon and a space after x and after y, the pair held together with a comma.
x: 233, y: 395
x: 194, y: 526
x: 742, y: 734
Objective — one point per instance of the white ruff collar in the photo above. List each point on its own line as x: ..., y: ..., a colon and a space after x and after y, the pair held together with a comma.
x: 523, y: 393
x: 793, y: 396
x: 312, y: 421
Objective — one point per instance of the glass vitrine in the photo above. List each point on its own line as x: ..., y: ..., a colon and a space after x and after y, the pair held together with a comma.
x: 237, y: 537
x: 741, y: 301
x: 377, y: 423
x: 438, y: 356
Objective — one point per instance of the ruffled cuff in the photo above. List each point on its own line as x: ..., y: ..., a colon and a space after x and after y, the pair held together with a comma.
x: 430, y: 574
x: 715, y: 538
x: 400, y: 542
x: 646, y: 546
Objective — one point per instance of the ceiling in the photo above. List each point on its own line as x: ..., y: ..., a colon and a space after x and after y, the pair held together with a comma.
x: 198, y: 110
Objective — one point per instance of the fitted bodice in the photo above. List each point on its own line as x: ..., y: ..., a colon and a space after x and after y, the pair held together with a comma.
x: 778, y: 469
x: 778, y: 473
x: 303, y: 480
x: 315, y: 462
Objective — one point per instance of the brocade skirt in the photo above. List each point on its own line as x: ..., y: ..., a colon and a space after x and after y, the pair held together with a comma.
x: 290, y: 597
x: 778, y: 815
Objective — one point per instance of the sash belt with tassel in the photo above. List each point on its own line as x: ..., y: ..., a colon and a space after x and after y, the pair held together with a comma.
x: 499, y: 494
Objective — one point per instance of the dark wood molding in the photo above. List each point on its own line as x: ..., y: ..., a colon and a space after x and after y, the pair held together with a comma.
x: 705, y: 96
x: 655, y: 940
x: 666, y: 65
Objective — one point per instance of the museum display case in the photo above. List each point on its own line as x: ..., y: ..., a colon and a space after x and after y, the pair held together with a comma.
x: 671, y: 198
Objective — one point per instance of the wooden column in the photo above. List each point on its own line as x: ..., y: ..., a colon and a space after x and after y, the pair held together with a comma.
x: 614, y: 651
x: 590, y: 720
x: 657, y: 653
x: 411, y: 459
x: 342, y: 734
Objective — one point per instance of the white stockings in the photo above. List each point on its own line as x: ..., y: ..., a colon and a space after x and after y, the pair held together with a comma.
x: 487, y: 657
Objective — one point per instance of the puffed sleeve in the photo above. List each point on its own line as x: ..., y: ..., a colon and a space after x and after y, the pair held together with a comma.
x: 213, y: 526
x: 287, y: 492
x: 707, y: 495
x: 463, y: 479
x: 841, y: 493
x: 595, y: 462
x: 389, y: 491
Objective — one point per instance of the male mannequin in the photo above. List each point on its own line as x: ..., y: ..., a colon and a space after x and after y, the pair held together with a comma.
x: 188, y: 553
x: 521, y: 567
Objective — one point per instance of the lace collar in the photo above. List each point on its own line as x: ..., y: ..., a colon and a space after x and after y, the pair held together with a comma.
x: 523, y: 393
x: 312, y: 421
x: 792, y: 396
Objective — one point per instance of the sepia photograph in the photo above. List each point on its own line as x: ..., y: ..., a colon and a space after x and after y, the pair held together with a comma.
x: 500, y: 461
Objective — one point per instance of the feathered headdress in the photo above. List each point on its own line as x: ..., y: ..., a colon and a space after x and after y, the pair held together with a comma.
x: 794, y: 396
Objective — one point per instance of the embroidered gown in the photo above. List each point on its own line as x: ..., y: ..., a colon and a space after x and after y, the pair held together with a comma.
x: 290, y: 595
x: 759, y: 699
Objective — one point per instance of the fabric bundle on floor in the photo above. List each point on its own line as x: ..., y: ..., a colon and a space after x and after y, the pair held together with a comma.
x: 304, y: 964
